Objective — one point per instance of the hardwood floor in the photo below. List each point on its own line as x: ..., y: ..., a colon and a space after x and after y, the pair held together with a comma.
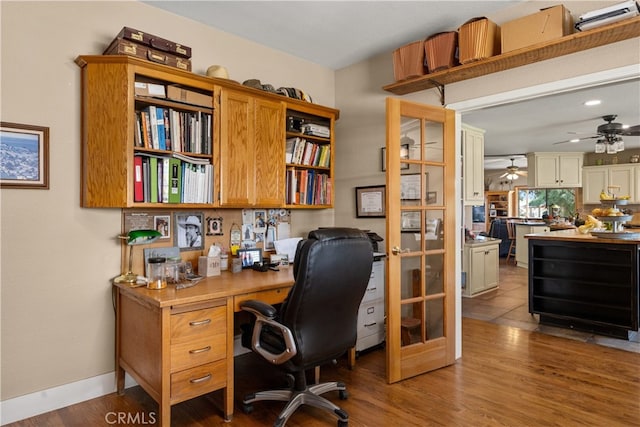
x: 506, y: 377
x: 509, y: 305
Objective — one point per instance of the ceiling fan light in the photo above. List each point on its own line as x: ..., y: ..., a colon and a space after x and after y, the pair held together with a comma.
x: 612, y: 148
x: 600, y: 147
x: 620, y: 145
x: 512, y: 176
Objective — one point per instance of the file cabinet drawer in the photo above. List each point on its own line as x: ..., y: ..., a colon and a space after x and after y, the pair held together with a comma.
x: 375, y: 288
x: 370, y: 319
x: 197, y: 381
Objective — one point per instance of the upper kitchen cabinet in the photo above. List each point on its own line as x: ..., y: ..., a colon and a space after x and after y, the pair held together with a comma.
x: 555, y: 170
x: 473, y: 163
x: 617, y: 179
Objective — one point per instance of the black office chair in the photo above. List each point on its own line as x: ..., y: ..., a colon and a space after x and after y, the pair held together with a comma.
x: 318, y: 321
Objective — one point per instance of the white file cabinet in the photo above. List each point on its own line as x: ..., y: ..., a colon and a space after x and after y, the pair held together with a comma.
x: 371, y: 316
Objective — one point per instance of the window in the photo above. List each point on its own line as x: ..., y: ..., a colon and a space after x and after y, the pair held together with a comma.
x: 536, y: 202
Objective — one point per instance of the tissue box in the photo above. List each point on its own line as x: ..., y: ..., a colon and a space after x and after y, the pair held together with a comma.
x: 209, y: 266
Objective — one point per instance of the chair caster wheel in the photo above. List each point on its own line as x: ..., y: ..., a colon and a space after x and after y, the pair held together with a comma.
x: 247, y: 408
x: 343, y: 394
x: 343, y: 423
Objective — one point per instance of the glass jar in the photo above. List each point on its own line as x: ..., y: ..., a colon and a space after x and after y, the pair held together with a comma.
x: 172, y: 270
x: 156, y: 273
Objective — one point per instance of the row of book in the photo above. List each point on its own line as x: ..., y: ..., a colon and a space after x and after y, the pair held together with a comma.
x: 172, y: 130
x: 303, y: 152
x: 308, y: 187
x: 176, y: 179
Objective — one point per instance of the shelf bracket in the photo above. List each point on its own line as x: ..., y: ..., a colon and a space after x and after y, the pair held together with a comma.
x: 440, y: 88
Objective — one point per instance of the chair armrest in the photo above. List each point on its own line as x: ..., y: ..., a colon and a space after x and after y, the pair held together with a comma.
x: 259, y: 308
x: 265, y: 314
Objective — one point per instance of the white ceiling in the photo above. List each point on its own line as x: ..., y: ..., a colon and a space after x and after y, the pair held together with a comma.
x: 336, y: 34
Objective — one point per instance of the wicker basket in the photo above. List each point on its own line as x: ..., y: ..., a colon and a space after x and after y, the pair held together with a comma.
x: 440, y: 50
x: 478, y: 38
x: 408, y: 61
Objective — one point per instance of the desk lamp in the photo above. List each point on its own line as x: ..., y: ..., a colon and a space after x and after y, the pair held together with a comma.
x: 133, y: 238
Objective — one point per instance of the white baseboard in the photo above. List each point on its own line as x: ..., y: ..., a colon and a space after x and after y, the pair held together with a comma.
x: 30, y: 405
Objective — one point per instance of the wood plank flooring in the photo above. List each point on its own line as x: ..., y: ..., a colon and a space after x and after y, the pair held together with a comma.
x: 506, y: 377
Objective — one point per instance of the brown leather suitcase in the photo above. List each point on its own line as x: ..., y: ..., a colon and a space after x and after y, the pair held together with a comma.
x: 125, y: 47
x: 154, y: 42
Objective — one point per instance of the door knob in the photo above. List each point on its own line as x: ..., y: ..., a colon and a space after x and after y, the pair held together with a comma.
x: 396, y: 250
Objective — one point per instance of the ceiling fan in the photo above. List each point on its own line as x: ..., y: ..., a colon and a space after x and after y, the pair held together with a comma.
x: 513, y: 172
x: 609, y: 132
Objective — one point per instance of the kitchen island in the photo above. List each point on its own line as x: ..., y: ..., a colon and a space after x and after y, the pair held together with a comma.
x: 584, y: 282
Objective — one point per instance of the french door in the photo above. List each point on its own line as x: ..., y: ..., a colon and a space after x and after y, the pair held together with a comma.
x: 421, y: 232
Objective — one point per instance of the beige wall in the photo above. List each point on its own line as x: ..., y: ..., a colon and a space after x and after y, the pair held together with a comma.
x: 57, y: 259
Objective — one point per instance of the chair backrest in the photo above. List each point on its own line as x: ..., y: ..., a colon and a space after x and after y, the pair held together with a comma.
x: 511, y: 229
x: 331, y: 269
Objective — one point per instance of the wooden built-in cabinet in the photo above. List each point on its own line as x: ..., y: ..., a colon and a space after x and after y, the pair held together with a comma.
x: 251, y: 141
x: 624, y: 178
x: 499, y: 204
x: 240, y: 155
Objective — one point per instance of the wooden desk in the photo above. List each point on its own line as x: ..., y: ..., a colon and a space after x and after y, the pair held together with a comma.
x: 178, y: 344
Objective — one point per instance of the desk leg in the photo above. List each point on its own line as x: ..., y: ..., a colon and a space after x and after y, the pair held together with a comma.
x: 119, y: 370
x: 351, y: 357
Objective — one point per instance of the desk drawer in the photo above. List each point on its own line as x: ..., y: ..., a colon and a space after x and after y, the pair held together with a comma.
x: 273, y: 296
x: 197, y: 381
x: 198, y: 352
x: 197, y: 324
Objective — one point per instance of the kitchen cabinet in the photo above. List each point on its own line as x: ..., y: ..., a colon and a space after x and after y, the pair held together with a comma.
x: 522, y: 248
x: 598, y: 178
x: 555, y: 170
x: 480, y: 262
x: 473, y: 163
x: 499, y: 204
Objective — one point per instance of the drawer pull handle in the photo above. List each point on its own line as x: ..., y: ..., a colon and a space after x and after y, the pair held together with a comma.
x: 200, y: 322
x: 201, y: 379
x: 200, y: 350
x: 370, y: 324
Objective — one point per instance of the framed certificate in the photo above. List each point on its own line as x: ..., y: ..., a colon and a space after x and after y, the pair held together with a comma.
x: 370, y: 201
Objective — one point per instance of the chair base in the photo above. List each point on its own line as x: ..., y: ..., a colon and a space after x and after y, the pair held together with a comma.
x: 309, y: 396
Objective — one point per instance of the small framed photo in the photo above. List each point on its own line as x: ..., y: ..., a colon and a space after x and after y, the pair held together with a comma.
x: 24, y: 156
x: 404, y: 155
x: 189, y: 234
x: 214, y: 226
x: 259, y: 220
x: 162, y: 223
x: 432, y: 197
x: 370, y: 201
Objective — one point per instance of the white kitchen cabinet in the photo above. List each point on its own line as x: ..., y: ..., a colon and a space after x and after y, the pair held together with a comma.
x: 371, y: 317
x: 473, y: 164
x: 522, y: 244
x: 598, y: 178
x: 555, y: 170
x: 481, y: 266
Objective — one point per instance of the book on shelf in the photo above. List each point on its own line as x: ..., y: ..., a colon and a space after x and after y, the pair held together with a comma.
x: 175, y: 183
x: 165, y: 180
x: 153, y: 125
x: 153, y: 179
x: 138, y: 195
x: 162, y: 145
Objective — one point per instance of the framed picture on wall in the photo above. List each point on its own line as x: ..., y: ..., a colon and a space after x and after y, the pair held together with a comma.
x: 189, y: 234
x: 370, y: 201
x: 24, y: 150
x: 404, y: 155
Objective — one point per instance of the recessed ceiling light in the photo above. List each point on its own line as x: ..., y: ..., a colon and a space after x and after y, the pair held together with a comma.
x: 574, y: 140
x: 592, y: 102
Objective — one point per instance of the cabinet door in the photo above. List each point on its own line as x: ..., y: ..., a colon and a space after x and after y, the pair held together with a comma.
x: 236, y: 149
x: 622, y: 177
x: 547, y: 173
x: 269, y: 146
x: 475, y: 278
x: 491, y: 267
x: 473, y: 158
x: 595, y: 179
x: 570, y: 171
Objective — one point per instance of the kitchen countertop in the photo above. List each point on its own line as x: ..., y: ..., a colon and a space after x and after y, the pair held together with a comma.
x: 482, y: 242
x: 572, y: 235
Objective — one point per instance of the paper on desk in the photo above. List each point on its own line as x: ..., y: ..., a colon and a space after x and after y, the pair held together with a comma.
x: 287, y: 247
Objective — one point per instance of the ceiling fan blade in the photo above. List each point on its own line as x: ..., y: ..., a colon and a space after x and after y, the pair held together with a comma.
x: 570, y: 141
x: 632, y: 131
x: 504, y: 174
x: 522, y: 173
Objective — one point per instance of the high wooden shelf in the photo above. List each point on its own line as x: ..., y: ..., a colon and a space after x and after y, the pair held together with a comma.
x: 572, y: 43
x: 246, y: 138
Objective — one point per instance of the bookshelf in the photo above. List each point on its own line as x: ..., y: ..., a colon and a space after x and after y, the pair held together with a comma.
x: 236, y: 146
x: 498, y: 204
x: 142, y: 149
x: 309, y: 156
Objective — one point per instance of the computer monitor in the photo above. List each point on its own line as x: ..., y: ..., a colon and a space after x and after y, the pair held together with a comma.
x: 250, y: 257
